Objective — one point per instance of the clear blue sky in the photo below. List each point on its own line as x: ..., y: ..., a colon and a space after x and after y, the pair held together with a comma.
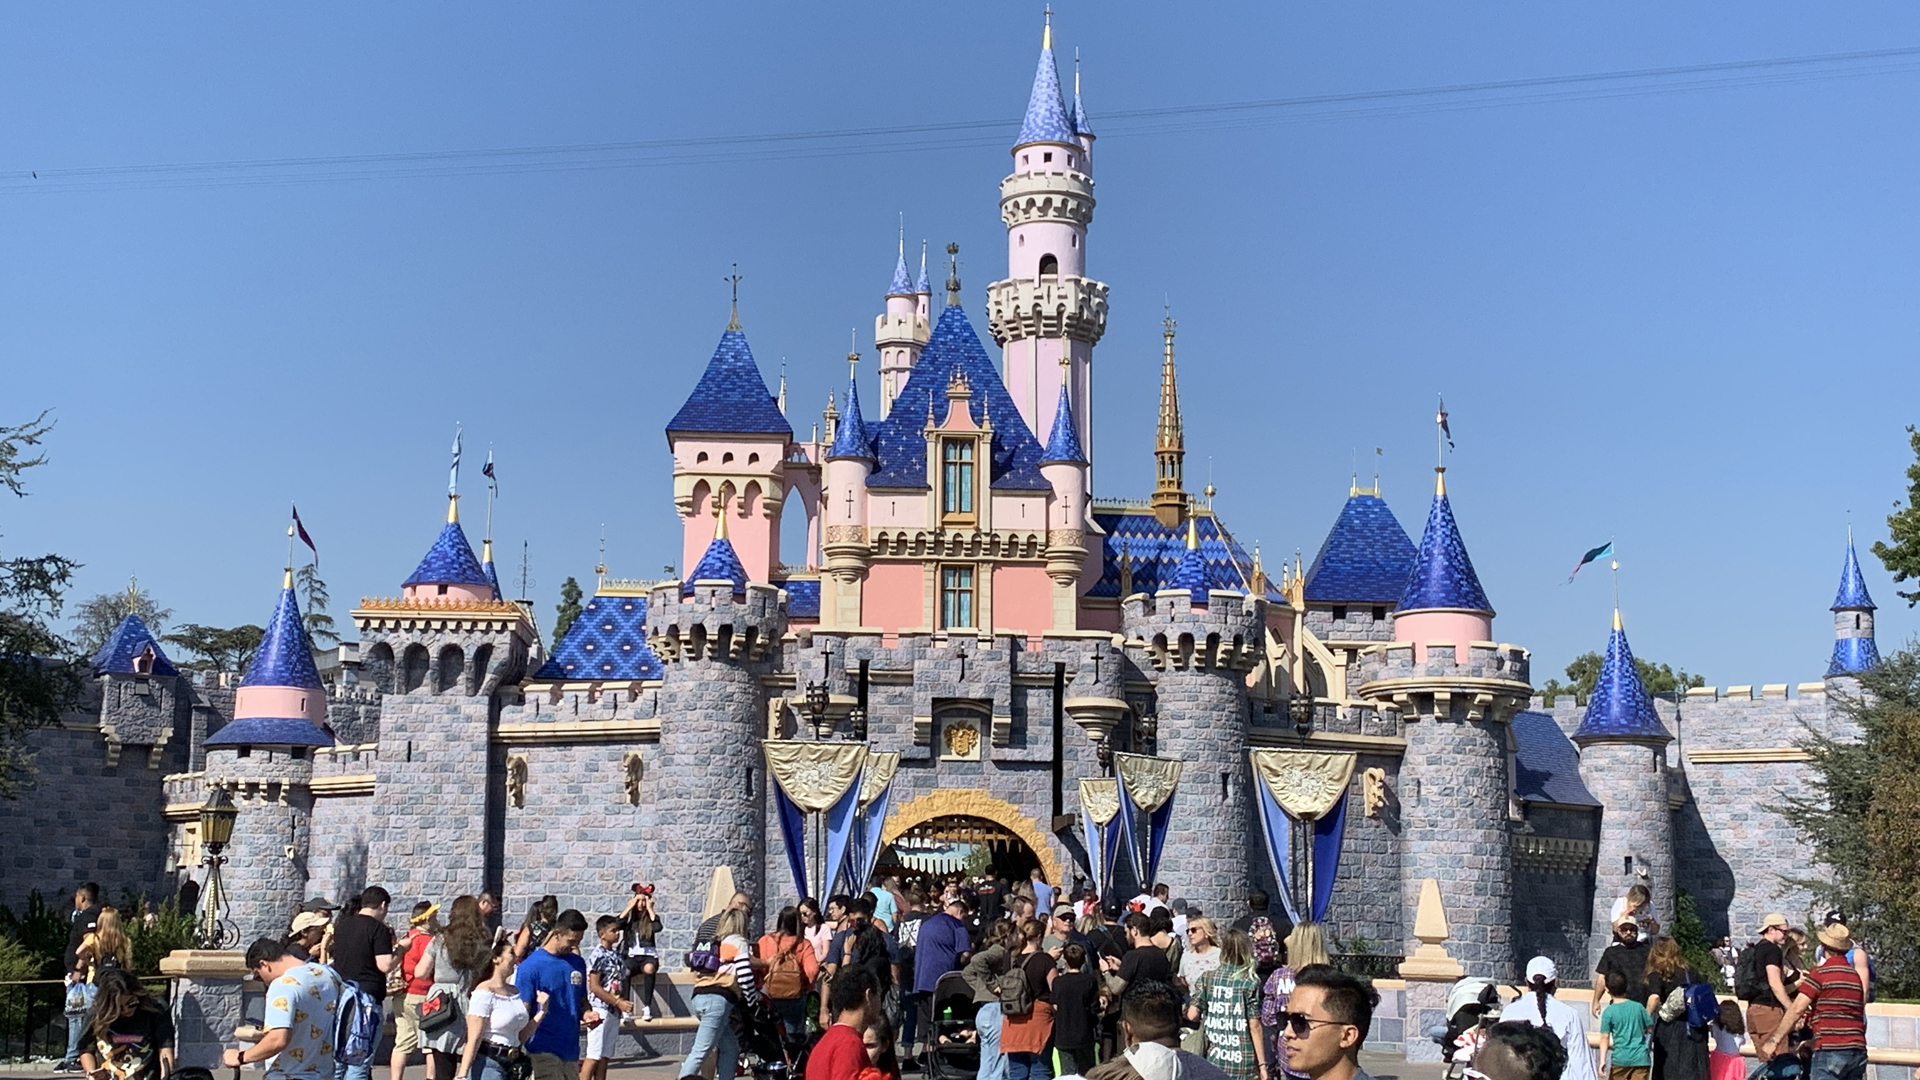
x: 1682, y: 318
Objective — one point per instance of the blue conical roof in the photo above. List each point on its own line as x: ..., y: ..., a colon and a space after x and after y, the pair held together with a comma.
x: 1080, y: 125
x: 731, y: 397
x: 851, y: 439
x: 920, y: 283
x: 1046, y: 119
x: 1366, y: 557
x: 129, y: 640
x: 1619, y: 707
x: 720, y: 563
x: 1852, y: 655
x: 902, y: 282
x: 1191, y: 575
x: 285, y: 656
x: 1064, y: 443
x: 449, y: 561
x: 1853, y: 588
x: 1443, y: 574
x: 493, y: 577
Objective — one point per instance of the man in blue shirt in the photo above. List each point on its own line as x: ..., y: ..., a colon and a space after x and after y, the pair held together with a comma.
x: 943, y: 941
x: 556, y: 968
x: 1042, y: 894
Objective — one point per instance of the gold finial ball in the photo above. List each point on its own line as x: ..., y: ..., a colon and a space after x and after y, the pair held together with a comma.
x: 1207, y: 491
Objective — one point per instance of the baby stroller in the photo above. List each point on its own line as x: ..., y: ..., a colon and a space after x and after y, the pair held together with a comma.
x: 760, y: 1036
x: 955, y: 1053
x: 1472, y: 1006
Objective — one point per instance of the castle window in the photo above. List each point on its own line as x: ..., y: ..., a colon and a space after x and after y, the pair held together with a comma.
x: 726, y: 457
x: 1049, y: 266
x: 1379, y: 613
x: 1023, y: 159
x: 1069, y: 161
x: 956, y: 477
x: 442, y: 589
x: 956, y: 596
x: 1073, y: 240
x: 700, y: 458
x: 753, y: 459
x: 1046, y: 157
x: 1340, y: 613
x: 1856, y: 622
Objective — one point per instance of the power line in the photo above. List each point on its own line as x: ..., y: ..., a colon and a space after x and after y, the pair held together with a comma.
x: 963, y: 134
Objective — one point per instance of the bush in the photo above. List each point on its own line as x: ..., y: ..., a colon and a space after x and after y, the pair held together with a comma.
x: 40, y: 933
x: 172, y: 929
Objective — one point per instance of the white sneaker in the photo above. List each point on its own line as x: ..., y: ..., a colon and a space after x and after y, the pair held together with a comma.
x: 646, y: 1013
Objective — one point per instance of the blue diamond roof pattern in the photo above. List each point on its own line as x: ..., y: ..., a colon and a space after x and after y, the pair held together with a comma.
x: 1852, y: 655
x: 1194, y: 576
x: 900, y: 440
x: 1619, y: 706
x: 607, y: 641
x: 493, y: 577
x: 1546, y: 766
x: 852, y: 439
x: 1080, y: 125
x: 1853, y: 588
x: 902, y: 283
x: 270, y: 731
x: 1156, y: 552
x: 449, y: 561
x: 129, y: 640
x: 803, y: 597
x: 285, y: 656
x: 920, y: 283
x: 1046, y: 119
x: 1064, y: 443
x: 731, y: 398
x: 1443, y: 574
x: 720, y: 563
x: 1366, y: 557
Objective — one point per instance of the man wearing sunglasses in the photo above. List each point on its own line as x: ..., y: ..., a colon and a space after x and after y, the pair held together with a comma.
x: 1326, y: 1021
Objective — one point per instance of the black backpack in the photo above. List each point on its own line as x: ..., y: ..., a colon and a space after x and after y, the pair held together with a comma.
x: 1749, y: 982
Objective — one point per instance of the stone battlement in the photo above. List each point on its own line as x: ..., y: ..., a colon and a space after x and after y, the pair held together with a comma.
x: 713, y: 624
x: 1492, y: 678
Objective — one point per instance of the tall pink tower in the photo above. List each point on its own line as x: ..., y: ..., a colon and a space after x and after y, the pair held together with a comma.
x: 902, y: 332
x: 1047, y: 308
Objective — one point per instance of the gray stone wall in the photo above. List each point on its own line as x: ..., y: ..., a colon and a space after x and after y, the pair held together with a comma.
x: 578, y: 837
x: 342, y: 829
x: 1453, y: 791
x: 1552, y: 907
x: 263, y: 886
x: 1360, y: 909
x: 429, y: 838
x: 1735, y: 853
x: 1636, y: 831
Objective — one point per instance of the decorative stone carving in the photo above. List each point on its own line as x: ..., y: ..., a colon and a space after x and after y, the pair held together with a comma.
x: 1373, y: 784
x: 517, y: 781
x: 960, y: 741
x: 632, y: 765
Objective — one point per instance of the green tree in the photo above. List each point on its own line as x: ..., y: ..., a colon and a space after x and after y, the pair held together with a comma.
x: 569, y: 609
x: 40, y: 676
x: 172, y: 929
x: 1691, y: 935
x: 1860, y: 814
x: 1585, y: 675
x: 40, y: 932
x: 95, y: 619
x: 319, y: 623
x: 1902, y: 557
x: 229, y: 649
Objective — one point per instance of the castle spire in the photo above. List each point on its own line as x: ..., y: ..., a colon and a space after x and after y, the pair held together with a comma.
x: 280, y: 700
x: 1443, y: 576
x: 1046, y: 119
x: 1619, y: 706
x: 902, y: 284
x: 1169, y: 442
x: 1854, y: 649
x: 920, y: 285
x: 851, y: 439
x: 1080, y: 125
x: 1063, y: 444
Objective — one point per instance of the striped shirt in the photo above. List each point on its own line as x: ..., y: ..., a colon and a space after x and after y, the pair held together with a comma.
x: 1839, y: 1013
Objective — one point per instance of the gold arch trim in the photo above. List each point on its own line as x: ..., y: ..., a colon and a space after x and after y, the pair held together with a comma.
x: 968, y: 802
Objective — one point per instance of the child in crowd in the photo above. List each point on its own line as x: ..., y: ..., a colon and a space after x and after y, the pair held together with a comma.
x: 1624, y: 1045
x: 1723, y: 1057
x: 1076, y: 1012
x: 607, y: 986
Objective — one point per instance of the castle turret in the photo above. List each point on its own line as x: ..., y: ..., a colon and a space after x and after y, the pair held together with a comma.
x: 1203, y: 634
x: 263, y: 757
x: 1047, y: 308
x: 1455, y: 690
x: 1169, y: 441
x: 1065, y: 467
x: 1623, y: 759
x: 849, y: 463
x: 729, y: 445
x: 716, y: 634
x: 902, y: 331
x: 1854, y: 650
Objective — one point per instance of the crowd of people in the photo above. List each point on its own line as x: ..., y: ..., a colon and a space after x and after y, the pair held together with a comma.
x: 1056, y: 983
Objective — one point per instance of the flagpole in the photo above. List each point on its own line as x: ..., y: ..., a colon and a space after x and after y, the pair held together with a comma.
x: 492, y: 490
x: 289, y: 555
x: 1615, y: 562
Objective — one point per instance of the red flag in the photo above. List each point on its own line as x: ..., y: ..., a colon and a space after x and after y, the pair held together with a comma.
x: 304, y: 538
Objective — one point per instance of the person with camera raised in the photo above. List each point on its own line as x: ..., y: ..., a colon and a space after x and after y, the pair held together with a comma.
x: 642, y: 925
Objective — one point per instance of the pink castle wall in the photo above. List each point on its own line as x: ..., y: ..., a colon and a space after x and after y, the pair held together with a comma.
x: 1022, y: 599
x: 1457, y: 627
x: 891, y: 599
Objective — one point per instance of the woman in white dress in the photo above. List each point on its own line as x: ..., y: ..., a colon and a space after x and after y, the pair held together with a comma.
x: 1541, y: 1009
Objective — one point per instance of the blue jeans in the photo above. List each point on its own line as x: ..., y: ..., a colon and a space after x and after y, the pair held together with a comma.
x: 1029, y: 1067
x: 76, y: 1031
x: 1838, y: 1065
x: 716, y: 1032
x: 993, y: 1063
x: 486, y: 1068
x: 344, y: 1071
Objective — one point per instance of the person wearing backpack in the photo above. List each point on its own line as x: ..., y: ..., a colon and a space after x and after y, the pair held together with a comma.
x: 1759, y: 979
x: 296, y: 1040
x: 983, y: 973
x: 791, y: 969
x: 1026, y: 1003
x: 1679, y: 1046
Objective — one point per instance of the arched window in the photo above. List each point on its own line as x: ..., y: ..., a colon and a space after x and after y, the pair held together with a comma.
x: 414, y: 664
x: 446, y: 675
x: 377, y: 668
x: 477, y: 677
x: 1049, y: 266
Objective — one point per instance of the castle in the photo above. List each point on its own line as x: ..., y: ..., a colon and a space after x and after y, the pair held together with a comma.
x: 967, y: 603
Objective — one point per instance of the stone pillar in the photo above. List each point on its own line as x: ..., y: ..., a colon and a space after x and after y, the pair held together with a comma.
x: 263, y: 883
x: 1629, y: 777
x: 1201, y: 654
x: 207, y: 1003
x: 711, y: 780
x: 1453, y: 784
x: 1430, y: 973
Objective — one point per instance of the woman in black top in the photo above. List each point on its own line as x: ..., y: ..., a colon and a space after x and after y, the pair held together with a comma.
x: 129, y: 1034
x: 1679, y: 1051
x: 1076, y: 1012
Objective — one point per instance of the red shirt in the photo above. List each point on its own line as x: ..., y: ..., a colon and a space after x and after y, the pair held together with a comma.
x: 1839, y: 1013
x: 416, y: 949
x: 839, y: 1055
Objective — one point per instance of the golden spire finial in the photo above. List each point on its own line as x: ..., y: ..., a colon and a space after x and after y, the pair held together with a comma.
x: 453, y: 509
x: 720, y: 513
x: 1066, y: 374
x: 1616, y: 618
x: 1046, y: 35
x: 853, y: 351
x: 1440, y: 481
x: 486, y: 550
x: 1169, y: 443
x: 1193, y: 531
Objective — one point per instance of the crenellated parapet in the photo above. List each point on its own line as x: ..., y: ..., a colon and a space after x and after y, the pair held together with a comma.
x: 1492, y: 679
x: 1020, y: 309
x: 1065, y: 197
x: 714, y: 622
x: 1173, y: 633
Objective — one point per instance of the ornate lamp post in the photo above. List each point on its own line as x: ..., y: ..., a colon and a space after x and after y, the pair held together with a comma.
x: 857, y: 723
x: 1103, y: 751
x: 217, y: 815
x: 1149, y: 730
x: 1300, y: 709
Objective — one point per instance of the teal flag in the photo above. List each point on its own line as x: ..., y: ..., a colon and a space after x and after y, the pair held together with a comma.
x: 1600, y: 552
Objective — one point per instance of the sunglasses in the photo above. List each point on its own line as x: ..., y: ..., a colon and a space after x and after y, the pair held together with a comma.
x: 1301, y: 1025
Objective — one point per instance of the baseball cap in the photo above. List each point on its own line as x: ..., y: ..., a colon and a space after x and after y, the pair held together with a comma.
x: 1772, y: 920
x: 1063, y: 911
x: 319, y: 903
x: 307, y: 920
x: 1541, y: 967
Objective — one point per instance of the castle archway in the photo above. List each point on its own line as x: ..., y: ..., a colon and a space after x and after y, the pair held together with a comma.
x: 972, y: 816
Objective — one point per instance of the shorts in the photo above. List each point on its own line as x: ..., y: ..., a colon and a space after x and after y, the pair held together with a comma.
x: 1761, y: 1020
x: 1628, y: 1072
x: 604, y: 1036
x: 550, y: 1067
x: 406, y: 1025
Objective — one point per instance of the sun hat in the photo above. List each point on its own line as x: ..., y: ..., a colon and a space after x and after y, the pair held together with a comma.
x: 1772, y: 920
x: 1836, y: 937
x: 307, y: 920
x: 1541, y: 967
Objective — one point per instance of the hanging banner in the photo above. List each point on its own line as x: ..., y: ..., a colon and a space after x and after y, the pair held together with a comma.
x: 1297, y: 787
x: 1278, y: 829
x: 876, y: 795
x: 1146, y: 786
x: 840, y: 819
x: 793, y: 836
x: 1100, y: 828
x: 1328, y: 832
x: 815, y: 774
x: 1306, y: 783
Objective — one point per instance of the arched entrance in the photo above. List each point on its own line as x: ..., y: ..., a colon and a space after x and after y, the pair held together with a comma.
x: 949, y: 824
